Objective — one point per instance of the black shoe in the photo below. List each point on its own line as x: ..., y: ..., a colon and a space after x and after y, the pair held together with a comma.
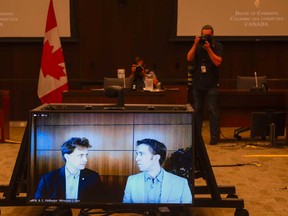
x: 213, y: 142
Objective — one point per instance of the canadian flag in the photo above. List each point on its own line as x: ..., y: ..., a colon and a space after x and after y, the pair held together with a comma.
x: 53, y: 77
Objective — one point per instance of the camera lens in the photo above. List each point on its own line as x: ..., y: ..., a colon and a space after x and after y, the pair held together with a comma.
x: 202, y: 41
x: 139, y: 69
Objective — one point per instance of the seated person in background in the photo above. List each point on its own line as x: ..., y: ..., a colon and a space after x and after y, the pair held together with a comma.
x: 139, y: 72
x: 72, y: 181
x: 153, y: 184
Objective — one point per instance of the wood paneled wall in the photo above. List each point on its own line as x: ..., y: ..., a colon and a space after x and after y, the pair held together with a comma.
x: 110, y: 34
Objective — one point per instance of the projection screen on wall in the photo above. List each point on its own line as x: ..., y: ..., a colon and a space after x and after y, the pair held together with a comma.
x: 22, y: 18
x: 233, y: 18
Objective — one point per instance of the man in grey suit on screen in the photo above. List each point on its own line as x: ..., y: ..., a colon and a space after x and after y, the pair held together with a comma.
x: 153, y: 184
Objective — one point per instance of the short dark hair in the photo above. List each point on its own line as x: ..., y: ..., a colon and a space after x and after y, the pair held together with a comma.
x: 69, y: 146
x: 207, y: 27
x: 137, y: 59
x: 155, y: 147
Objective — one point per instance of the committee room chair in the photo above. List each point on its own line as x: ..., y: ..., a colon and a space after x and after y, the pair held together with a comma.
x: 249, y: 83
x: 127, y: 83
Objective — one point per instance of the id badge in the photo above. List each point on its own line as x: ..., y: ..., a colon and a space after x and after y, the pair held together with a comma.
x: 203, y: 69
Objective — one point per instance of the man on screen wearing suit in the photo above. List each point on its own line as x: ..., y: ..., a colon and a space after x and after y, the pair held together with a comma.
x: 154, y: 184
x: 72, y: 181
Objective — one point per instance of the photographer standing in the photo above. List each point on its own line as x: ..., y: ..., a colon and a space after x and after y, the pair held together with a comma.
x: 207, y: 56
x: 139, y: 73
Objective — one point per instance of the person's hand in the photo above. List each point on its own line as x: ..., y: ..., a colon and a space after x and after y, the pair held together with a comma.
x: 206, y: 46
x: 133, y: 68
x: 196, y: 40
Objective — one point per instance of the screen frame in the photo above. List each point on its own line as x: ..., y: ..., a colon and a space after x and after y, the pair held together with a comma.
x: 80, y: 108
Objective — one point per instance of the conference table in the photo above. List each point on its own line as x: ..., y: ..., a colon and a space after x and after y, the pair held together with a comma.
x: 235, y: 105
x: 171, y: 95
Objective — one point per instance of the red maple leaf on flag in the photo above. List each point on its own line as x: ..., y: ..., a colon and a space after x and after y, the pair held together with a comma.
x: 50, y: 66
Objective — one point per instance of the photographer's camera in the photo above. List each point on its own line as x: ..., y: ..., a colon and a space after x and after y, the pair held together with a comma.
x: 202, y: 40
x: 139, y: 69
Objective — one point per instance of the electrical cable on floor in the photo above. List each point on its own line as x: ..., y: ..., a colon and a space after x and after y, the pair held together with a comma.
x: 234, y: 145
x: 263, y: 143
x: 253, y: 163
x: 226, y: 138
x: 12, y: 141
x: 280, y: 189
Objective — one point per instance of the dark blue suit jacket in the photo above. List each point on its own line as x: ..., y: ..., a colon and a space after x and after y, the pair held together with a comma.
x: 52, y: 185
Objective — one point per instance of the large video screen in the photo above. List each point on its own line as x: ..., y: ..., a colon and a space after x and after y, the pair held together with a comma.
x: 114, y: 156
x: 25, y: 19
x: 233, y: 18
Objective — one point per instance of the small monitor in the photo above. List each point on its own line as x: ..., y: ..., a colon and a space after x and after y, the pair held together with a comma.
x: 261, y: 122
x: 125, y: 83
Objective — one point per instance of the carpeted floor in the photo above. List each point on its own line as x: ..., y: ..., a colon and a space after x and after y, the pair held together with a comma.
x: 257, y: 170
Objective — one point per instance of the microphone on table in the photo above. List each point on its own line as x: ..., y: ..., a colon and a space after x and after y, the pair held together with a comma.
x: 256, y: 79
x: 256, y: 88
